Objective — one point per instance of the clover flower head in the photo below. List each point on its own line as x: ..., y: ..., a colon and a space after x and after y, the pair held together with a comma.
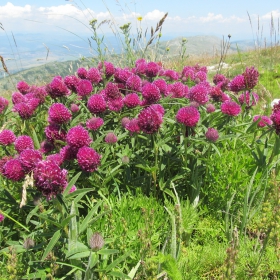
x: 249, y: 98
x: 162, y: 85
x: 131, y: 100
x: 112, y: 91
x: 115, y: 105
x: 59, y: 113
x: 13, y: 170
x: 57, y: 88
x: 251, y: 77
x: 210, y: 108
x: 49, y: 178
x: 199, y: 93
x: 96, y: 241
x: 55, y: 132
x: 94, y: 123
x: 200, y: 76
x: 216, y: 94
x: 189, y: 116
x: 151, y: 93
x: 125, y: 121
x: 84, y: 88
x: 18, y: 97
x: 134, y: 83
x: 88, y: 159
x: 82, y: 73
x: 71, y: 82
x: 78, y: 137
x: 212, y: 134
x: 29, y: 158
x: 57, y: 158
x: 23, y: 142
x: 152, y: 69
x: 68, y: 153
x: 24, y: 110
x: 177, y: 90
x: 74, y: 108
x: 22, y: 87
x: 237, y: 83
x: 171, y: 75
x: 150, y: 120
x: 3, y: 104
x: 7, y: 137
x: 96, y: 104
x: 109, y: 68
x: 94, y: 76
x: 111, y: 138
x: 122, y: 75
x: 230, y: 108
x: 262, y: 120
x: 132, y: 126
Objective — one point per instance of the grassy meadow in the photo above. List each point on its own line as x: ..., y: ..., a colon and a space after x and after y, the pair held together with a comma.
x: 142, y: 165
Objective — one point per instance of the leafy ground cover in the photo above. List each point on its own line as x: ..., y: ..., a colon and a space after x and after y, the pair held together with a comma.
x: 142, y: 171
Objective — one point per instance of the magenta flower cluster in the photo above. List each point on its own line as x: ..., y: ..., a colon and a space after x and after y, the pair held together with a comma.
x: 82, y: 104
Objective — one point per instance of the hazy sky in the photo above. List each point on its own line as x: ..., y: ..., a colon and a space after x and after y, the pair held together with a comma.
x: 208, y: 17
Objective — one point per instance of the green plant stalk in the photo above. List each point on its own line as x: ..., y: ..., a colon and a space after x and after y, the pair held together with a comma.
x: 18, y: 223
x: 154, y: 173
x: 173, y: 246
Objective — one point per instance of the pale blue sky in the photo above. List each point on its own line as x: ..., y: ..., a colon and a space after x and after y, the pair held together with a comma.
x: 213, y: 17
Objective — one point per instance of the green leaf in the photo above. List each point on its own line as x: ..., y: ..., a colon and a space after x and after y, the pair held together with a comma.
x: 80, y: 247
x: 46, y: 218
x: 118, y: 274
x: 71, y: 184
x: 84, y: 224
x: 51, y: 244
x: 73, y: 228
x: 35, y: 138
x: 107, y: 251
x: 117, y: 261
x: 133, y: 271
x: 80, y: 255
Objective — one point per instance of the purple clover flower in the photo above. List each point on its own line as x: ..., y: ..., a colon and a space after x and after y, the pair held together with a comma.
x: 84, y: 88
x: 149, y: 120
x: 55, y: 132
x: 23, y: 87
x: 13, y: 170
x: 59, y: 114
x: 251, y: 77
x: 3, y: 104
x: 212, y: 134
x: 94, y: 123
x: 199, y: 94
x: 111, y: 138
x: 7, y: 137
x: 94, y: 76
x: 78, y: 137
x: 96, y: 104
x: 131, y: 100
x: 237, y: 84
x: 23, y: 142
x: 29, y: 158
x: 151, y: 93
x: 49, y: 178
x: 263, y: 120
x: 230, y: 108
x: 88, y: 159
x: 189, y: 116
